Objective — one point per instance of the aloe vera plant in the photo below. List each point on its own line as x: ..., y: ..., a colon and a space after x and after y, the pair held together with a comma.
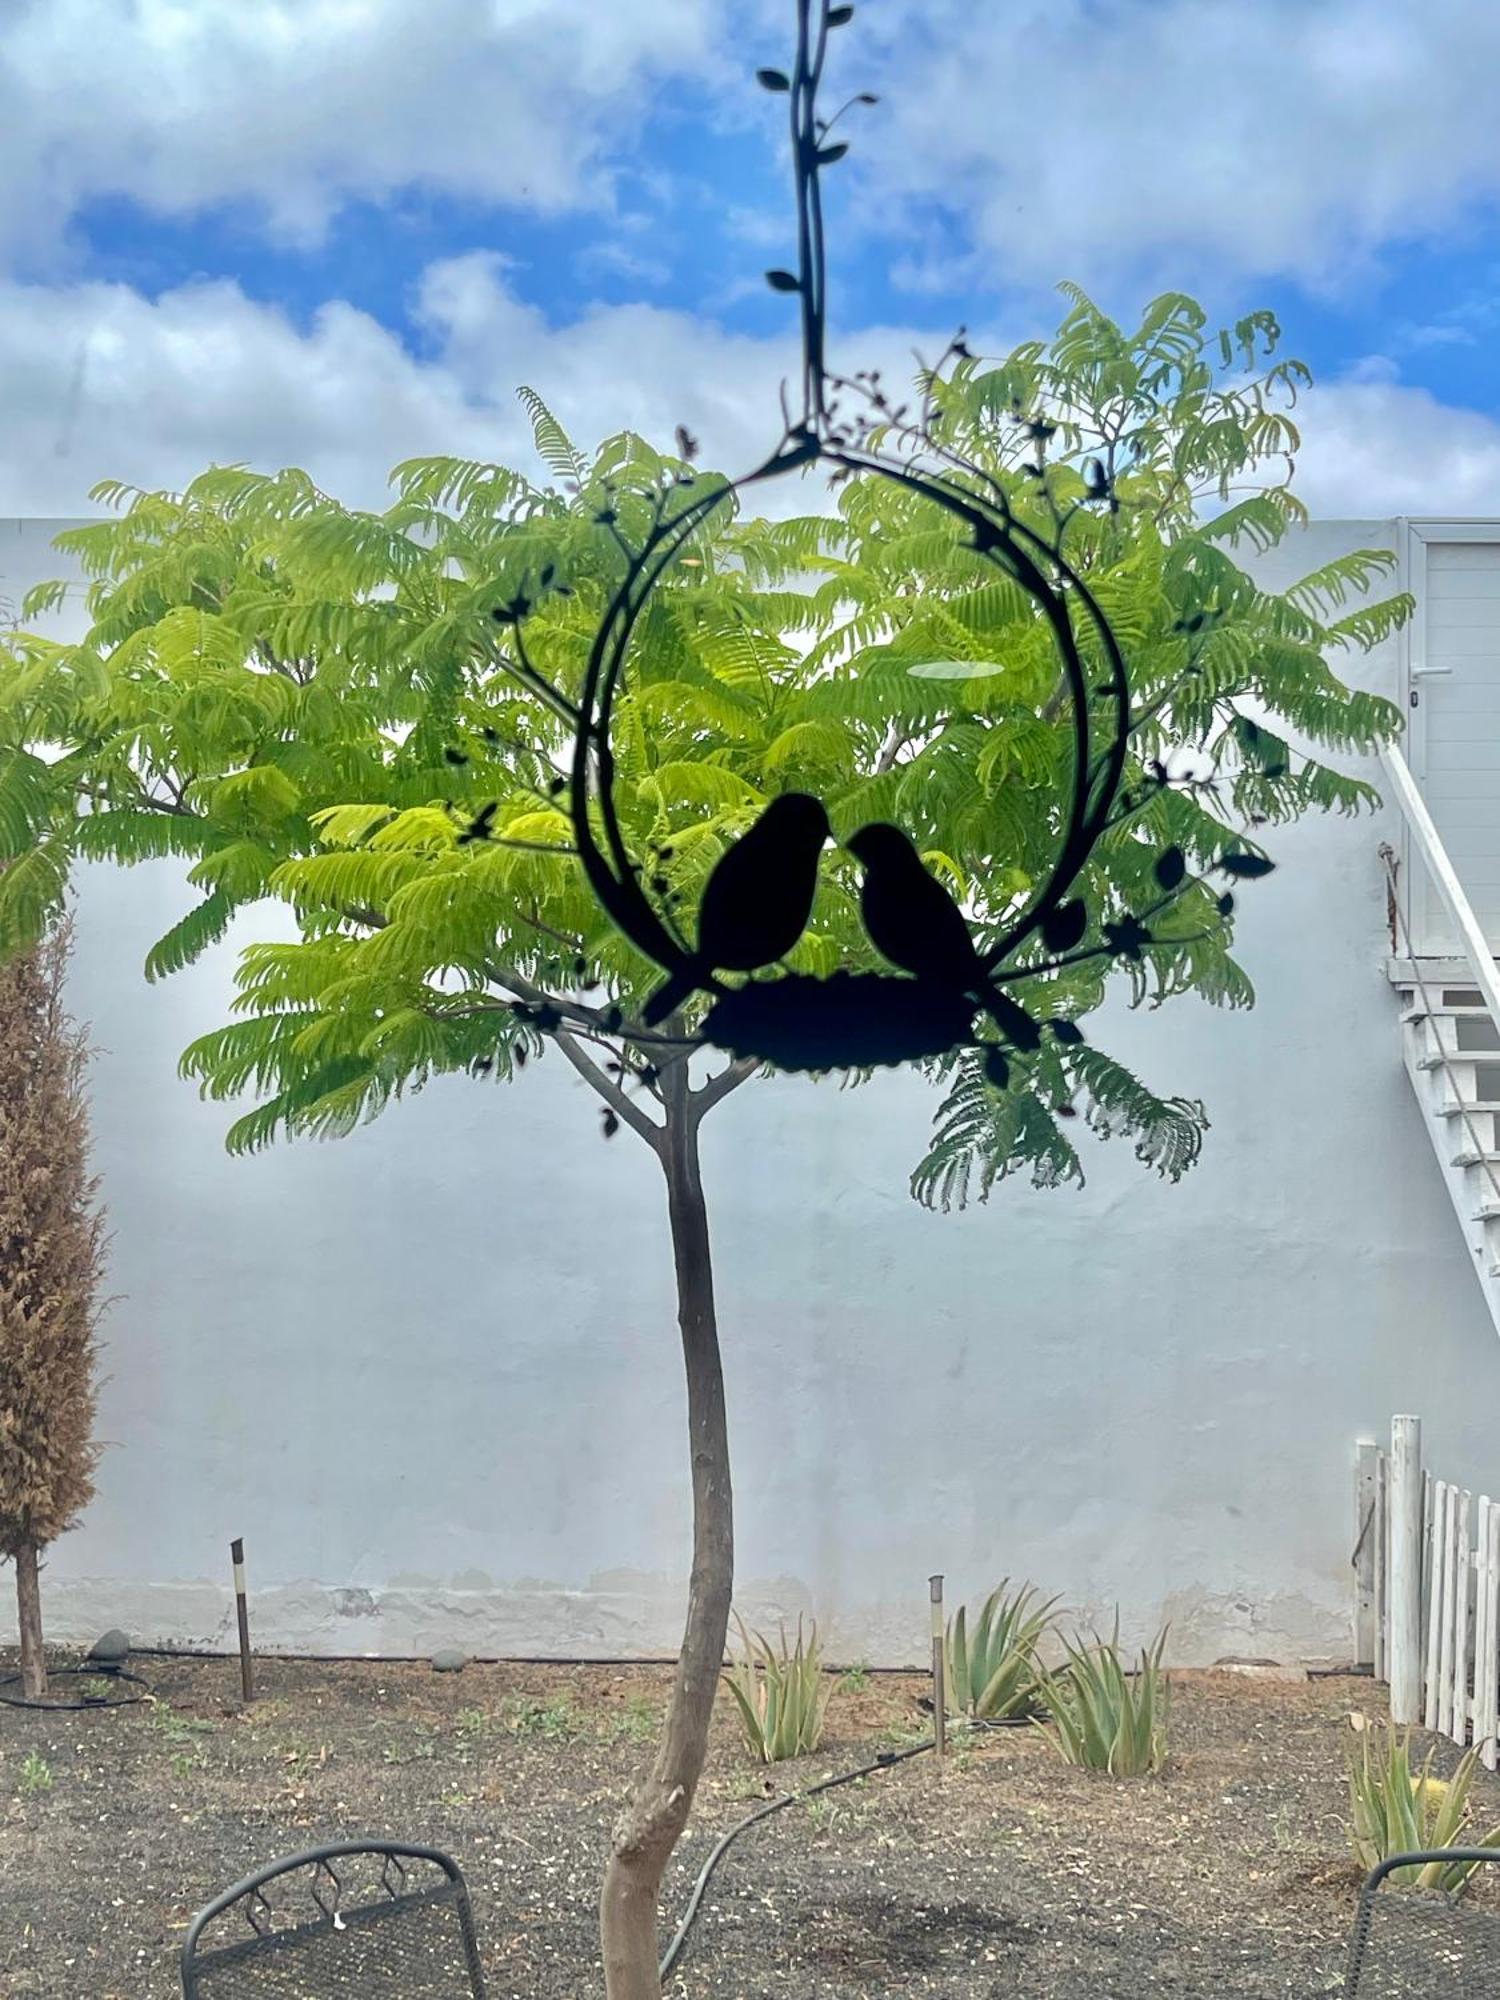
x: 1105, y: 1715
x: 1394, y: 1809
x: 781, y: 1693
x: 993, y: 1672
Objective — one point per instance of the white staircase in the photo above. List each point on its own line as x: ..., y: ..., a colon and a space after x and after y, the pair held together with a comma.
x: 1450, y: 1033
x: 1451, y: 1045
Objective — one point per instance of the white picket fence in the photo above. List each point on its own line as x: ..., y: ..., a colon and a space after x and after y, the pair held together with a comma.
x: 1427, y: 1598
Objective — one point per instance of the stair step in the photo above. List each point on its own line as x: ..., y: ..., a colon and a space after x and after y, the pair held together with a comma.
x: 1454, y: 1029
x: 1452, y: 992
x: 1432, y: 971
x: 1445, y: 1057
x: 1449, y: 1032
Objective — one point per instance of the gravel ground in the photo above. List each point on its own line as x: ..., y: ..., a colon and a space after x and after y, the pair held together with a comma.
x: 1004, y: 1872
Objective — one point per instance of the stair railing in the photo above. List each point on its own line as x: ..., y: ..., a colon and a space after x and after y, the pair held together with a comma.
x: 1427, y: 842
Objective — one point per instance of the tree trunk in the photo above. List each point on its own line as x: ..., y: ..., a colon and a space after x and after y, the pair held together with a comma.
x: 29, y: 1617
x: 652, y: 1823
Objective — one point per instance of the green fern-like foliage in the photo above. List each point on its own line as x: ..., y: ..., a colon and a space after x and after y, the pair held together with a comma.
x: 312, y: 705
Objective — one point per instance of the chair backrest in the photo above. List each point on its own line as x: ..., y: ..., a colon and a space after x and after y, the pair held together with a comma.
x: 1411, y: 1943
x: 357, y: 1920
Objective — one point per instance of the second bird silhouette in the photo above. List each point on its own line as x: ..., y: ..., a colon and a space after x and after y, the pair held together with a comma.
x: 913, y: 921
x: 910, y: 917
x: 756, y: 902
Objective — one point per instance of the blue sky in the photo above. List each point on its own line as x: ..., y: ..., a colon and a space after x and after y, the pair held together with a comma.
x: 333, y: 232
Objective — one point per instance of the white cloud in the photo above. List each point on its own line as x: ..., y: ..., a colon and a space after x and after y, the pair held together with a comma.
x: 1373, y: 447
x: 1170, y: 139
x: 297, y: 105
x: 101, y: 382
x: 1085, y: 139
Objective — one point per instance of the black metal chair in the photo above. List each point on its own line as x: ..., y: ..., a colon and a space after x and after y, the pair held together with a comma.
x: 366, y: 1919
x: 1423, y: 1944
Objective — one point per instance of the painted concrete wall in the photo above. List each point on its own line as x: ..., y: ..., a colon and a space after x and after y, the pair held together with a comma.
x: 430, y: 1372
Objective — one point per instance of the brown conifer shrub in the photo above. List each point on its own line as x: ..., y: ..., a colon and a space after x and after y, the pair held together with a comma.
x: 51, y: 1262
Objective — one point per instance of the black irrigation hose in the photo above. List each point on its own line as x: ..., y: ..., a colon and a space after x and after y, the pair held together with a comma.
x: 112, y: 1674
x: 886, y: 1761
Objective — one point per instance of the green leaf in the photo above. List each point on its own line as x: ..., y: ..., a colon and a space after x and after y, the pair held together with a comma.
x: 552, y: 441
x: 349, y: 826
x: 26, y: 801
x: 781, y: 1693
x: 131, y: 834
x: 1167, y: 1132
x: 44, y: 597
x: 32, y: 888
x: 190, y: 936
x: 254, y: 798
x: 822, y: 746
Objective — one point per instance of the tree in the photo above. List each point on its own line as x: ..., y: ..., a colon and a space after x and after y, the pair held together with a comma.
x: 51, y: 1259
x: 317, y: 706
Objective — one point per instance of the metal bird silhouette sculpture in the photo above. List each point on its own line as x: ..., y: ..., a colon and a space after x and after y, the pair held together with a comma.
x: 913, y: 921
x: 757, y: 900
x: 910, y: 917
x: 947, y: 987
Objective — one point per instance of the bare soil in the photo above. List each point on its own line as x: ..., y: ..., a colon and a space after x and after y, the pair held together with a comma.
x: 1002, y: 1872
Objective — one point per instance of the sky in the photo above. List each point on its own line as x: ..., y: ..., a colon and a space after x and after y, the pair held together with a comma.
x: 337, y: 233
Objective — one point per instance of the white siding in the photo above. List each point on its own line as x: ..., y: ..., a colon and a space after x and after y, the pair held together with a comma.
x: 1460, y: 694
x: 431, y: 1373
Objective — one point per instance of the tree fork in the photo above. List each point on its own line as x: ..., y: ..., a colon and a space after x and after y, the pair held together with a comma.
x: 652, y: 1823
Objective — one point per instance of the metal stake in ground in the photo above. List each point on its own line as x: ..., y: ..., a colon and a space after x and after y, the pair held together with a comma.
x: 939, y: 1691
x: 242, y: 1612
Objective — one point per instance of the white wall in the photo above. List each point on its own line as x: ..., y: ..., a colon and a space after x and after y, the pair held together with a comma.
x: 430, y: 1372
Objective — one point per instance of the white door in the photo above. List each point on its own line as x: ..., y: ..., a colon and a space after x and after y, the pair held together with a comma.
x: 1455, y: 717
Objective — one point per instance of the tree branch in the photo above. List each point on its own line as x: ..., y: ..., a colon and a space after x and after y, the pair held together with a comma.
x: 523, y: 846
x: 574, y: 944
x: 586, y: 1020
x: 719, y: 1087
x: 143, y: 801
x: 278, y: 666
x: 898, y: 742
x: 623, y: 1106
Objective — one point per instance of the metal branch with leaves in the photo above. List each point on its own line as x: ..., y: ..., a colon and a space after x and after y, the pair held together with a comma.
x: 948, y: 988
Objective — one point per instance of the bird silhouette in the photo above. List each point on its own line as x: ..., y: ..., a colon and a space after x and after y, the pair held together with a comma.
x: 757, y: 900
x: 913, y: 921
x: 910, y: 917
x: 481, y: 825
